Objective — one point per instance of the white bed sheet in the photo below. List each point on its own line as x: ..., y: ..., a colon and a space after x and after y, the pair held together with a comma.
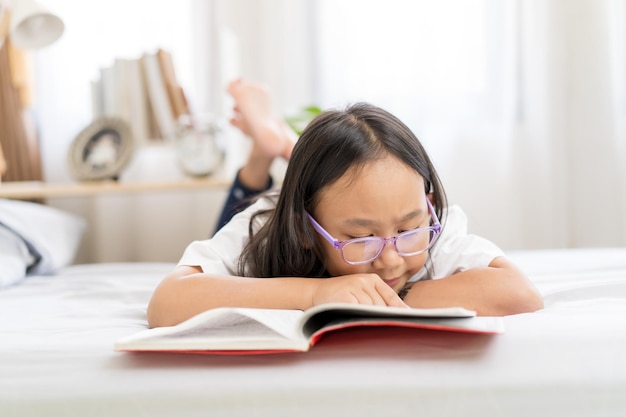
x: 57, y: 358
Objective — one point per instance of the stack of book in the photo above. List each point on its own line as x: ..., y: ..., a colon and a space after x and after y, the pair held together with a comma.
x: 144, y: 92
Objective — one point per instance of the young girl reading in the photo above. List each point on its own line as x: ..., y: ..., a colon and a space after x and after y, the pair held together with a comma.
x: 361, y: 217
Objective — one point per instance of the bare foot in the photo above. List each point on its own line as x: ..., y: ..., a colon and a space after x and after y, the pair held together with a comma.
x: 256, y: 118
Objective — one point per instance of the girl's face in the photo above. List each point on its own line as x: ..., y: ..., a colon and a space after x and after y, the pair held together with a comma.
x: 383, y: 198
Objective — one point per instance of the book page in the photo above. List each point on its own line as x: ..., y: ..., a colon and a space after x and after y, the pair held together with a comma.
x: 330, y: 314
x: 223, y: 328
x: 283, y: 322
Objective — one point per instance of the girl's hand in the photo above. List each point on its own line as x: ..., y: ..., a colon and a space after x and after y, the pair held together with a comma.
x: 356, y: 289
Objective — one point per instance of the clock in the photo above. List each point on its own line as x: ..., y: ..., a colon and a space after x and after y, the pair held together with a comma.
x: 199, y: 150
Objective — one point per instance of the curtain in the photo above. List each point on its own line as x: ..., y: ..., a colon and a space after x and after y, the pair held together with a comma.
x: 571, y: 122
x: 19, y: 144
x: 267, y: 41
x: 271, y: 42
x: 521, y: 104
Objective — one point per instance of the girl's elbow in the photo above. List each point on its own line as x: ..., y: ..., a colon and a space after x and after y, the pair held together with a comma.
x: 527, y: 300
x: 153, y: 318
x: 155, y: 313
x: 523, y: 296
x: 534, y: 301
x: 162, y: 309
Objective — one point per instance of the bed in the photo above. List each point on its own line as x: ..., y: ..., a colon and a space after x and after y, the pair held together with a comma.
x: 57, y: 359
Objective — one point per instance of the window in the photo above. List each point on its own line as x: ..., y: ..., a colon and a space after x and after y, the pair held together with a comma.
x: 430, y: 63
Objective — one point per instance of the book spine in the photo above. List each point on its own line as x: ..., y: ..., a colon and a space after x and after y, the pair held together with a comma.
x: 159, y: 99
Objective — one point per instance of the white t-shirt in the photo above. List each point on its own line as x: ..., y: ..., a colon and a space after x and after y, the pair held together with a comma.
x: 455, y: 250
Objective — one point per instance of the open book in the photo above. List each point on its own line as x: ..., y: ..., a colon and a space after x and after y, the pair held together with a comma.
x: 252, y: 330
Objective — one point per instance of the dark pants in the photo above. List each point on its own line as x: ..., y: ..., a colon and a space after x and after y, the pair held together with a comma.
x: 239, y: 198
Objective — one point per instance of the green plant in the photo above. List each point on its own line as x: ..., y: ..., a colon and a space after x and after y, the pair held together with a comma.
x: 298, y: 121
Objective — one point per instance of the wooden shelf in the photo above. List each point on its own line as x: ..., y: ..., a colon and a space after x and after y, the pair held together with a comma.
x: 34, y: 189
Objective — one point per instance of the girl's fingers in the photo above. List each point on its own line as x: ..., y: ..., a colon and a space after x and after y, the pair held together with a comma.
x: 389, y: 296
x: 378, y: 293
x: 360, y: 288
x: 369, y: 298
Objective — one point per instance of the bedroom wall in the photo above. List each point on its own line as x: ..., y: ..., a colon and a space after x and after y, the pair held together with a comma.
x: 152, y: 227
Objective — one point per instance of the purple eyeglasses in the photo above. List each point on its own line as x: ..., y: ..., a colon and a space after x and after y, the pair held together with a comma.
x: 364, y: 250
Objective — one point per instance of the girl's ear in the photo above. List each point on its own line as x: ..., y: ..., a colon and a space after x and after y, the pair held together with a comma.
x: 428, y: 187
x: 431, y: 197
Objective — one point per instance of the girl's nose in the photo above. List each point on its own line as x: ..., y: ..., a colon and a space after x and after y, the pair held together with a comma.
x: 389, y: 257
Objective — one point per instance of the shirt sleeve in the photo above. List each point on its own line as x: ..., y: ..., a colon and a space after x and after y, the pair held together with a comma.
x: 220, y: 254
x: 456, y: 250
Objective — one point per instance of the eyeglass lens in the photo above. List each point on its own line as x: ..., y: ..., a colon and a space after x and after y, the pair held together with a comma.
x: 407, y: 243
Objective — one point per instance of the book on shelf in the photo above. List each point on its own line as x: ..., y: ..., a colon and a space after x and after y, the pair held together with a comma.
x: 97, y: 99
x: 175, y: 92
x: 137, y: 97
x: 158, y: 95
x: 120, y: 92
x: 109, y: 90
x: 252, y: 330
x: 144, y: 92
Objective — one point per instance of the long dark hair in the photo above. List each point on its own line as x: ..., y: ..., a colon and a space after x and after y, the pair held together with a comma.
x: 334, y: 142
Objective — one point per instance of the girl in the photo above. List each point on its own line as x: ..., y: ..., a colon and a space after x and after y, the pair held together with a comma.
x: 361, y: 217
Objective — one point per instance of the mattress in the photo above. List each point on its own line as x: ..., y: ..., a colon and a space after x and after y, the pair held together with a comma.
x: 57, y: 359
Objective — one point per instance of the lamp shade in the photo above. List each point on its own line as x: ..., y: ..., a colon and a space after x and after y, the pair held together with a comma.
x: 33, y: 26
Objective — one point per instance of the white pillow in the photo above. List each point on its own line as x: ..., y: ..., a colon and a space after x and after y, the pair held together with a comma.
x: 50, y: 235
x: 14, y: 257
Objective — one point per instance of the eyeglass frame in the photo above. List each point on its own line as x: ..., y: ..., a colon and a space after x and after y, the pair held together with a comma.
x: 339, y: 244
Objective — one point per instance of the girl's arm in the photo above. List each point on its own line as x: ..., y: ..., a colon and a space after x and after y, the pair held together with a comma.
x: 498, y: 290
x: 188, y: 291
